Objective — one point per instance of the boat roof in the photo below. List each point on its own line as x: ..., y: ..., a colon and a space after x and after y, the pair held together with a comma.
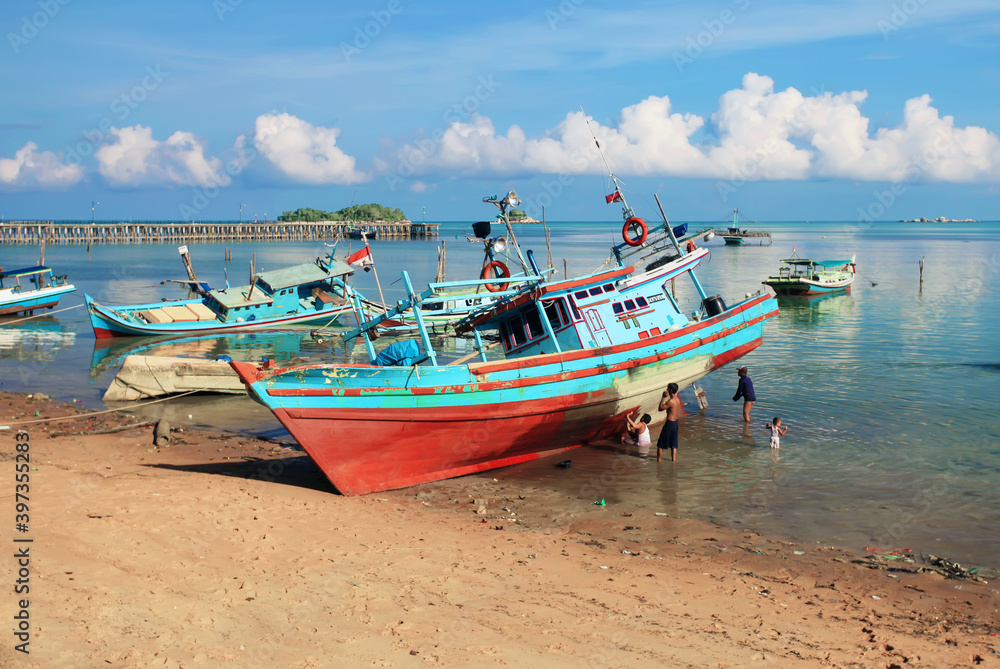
x: 823, y: 263
x: 37, y: 269
x: 298, y: 275
x: 535, y: 292
x: 237, y: 297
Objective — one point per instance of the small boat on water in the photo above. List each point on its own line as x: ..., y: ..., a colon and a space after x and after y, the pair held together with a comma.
x: 304, y: 294
x: 800, y: 276
x: 579, y: 354
x: 735, y: 235
x: 31, y: 288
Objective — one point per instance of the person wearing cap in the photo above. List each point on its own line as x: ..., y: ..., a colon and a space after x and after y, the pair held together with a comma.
x: 745, y: 390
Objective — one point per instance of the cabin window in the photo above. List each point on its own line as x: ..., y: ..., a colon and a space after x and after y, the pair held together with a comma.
x: 432, y: 306
x: 608, y: 287
x: 618, y: 308
x: 534, y: 321
x: 595, y: 291
x: 552, y: 313
x: 505, y: 335
x: 563, y: 313
x: 641, y: 301
x: 629, y: 305
x: 557, y: 313
x: 576, y: 312
x: 581, y: 294
x: 516, y: 326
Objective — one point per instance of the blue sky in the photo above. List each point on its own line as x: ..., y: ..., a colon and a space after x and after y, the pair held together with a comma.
x: 787, y: 110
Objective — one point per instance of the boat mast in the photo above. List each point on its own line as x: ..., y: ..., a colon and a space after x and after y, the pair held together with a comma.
x: 627, y: 212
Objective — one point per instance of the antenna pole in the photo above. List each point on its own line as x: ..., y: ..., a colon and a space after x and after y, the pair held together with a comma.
x: 626, y: 210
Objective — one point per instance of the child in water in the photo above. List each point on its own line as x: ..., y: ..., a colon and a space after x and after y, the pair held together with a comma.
x: 776, y: 431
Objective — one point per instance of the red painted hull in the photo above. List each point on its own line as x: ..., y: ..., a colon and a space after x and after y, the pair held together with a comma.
x: 364, y: 450
x: 436, y: 444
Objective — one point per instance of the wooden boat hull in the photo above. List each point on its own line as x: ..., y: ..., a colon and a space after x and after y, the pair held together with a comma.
x: 143, y: 376
x: 376, y: 428
x: 107, y: 323
x: 15, y: 303
x: 733, y: 241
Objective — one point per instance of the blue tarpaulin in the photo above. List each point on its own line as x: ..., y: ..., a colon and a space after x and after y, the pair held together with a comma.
x: 399, y: 354
x: 681, y: 230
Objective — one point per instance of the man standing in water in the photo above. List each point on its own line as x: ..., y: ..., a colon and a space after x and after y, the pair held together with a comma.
x: 745, y: 390
x: 671, y: 403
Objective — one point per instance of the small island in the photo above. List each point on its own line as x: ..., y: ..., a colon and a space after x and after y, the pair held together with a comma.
x: 360, y: 213
x: 940, y: 219
x: 518, y: 216
x: 362, y: 221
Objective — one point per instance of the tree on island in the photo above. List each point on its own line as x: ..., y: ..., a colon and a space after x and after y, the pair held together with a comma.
x: 357, y: 212
x: 517, y: 213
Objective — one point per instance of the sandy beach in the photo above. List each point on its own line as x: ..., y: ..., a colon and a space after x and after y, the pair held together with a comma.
x: 226, y: 550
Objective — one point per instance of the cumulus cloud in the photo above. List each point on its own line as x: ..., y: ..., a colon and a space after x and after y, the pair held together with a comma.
x: 756, y: 133
x: 304, y: 152
x: 31, y: 168
x: 133, y: 157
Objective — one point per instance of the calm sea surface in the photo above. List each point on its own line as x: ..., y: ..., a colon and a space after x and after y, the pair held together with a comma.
x: 891, y: 393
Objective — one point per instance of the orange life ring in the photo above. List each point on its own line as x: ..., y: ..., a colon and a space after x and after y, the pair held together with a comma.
x: 691, y: 247
x: 635, y: 220
x: 487, y: 273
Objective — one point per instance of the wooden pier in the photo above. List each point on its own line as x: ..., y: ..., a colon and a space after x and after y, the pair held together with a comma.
x: 31, y: 233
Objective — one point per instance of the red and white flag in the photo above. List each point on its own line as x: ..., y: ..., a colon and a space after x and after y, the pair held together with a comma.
x: 361, y: 258
x: 614, y: 197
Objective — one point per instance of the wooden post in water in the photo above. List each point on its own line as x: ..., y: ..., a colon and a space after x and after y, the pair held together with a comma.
x: 183, y: 250
x: 565, y: 270
x: 921, y: 265
x: 41, y: 261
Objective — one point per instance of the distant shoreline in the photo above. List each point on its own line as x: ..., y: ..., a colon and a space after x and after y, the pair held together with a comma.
x: 940, y: 219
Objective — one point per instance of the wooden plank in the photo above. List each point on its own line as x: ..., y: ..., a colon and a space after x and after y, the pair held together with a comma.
x: 156, y: 316
x: 201, y: 312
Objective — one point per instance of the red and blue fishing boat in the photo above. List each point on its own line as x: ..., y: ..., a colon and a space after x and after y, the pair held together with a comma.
x: 304, y: 294
x: 578, y: 355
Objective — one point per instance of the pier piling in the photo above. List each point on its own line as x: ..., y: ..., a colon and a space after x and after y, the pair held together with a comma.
x: 31, y: 233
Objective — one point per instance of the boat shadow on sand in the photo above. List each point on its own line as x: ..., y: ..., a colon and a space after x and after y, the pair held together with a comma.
x: 296, y: 469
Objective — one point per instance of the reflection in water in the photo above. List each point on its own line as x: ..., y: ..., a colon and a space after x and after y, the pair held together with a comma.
x: 35, y: 340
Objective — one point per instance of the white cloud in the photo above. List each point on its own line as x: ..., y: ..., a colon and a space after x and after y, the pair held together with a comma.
x: 132, y: 157
x: 757, y: 133
x: 304, y: 152
x: 30, y: 168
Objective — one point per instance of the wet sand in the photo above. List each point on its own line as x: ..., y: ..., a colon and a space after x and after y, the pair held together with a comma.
x: 227, y: 550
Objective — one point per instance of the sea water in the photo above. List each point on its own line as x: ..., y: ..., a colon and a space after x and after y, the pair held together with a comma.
x: 890, y: 392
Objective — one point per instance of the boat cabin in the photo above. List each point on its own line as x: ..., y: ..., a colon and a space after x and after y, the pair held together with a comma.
x: 39, y: 275
x: 310, y: 286
x: 600, y: 310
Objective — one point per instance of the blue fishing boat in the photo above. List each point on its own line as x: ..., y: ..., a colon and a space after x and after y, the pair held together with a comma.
x: 578, y: 355
x: 30, y: 288
x: 800, y: 276
x: 304, y: 294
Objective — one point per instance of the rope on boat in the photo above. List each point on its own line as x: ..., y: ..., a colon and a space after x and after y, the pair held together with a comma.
x: 96, y: 413
x: 47, y: 313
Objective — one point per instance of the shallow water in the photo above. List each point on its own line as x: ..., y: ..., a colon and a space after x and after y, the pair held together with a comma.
x: 890, y: 392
